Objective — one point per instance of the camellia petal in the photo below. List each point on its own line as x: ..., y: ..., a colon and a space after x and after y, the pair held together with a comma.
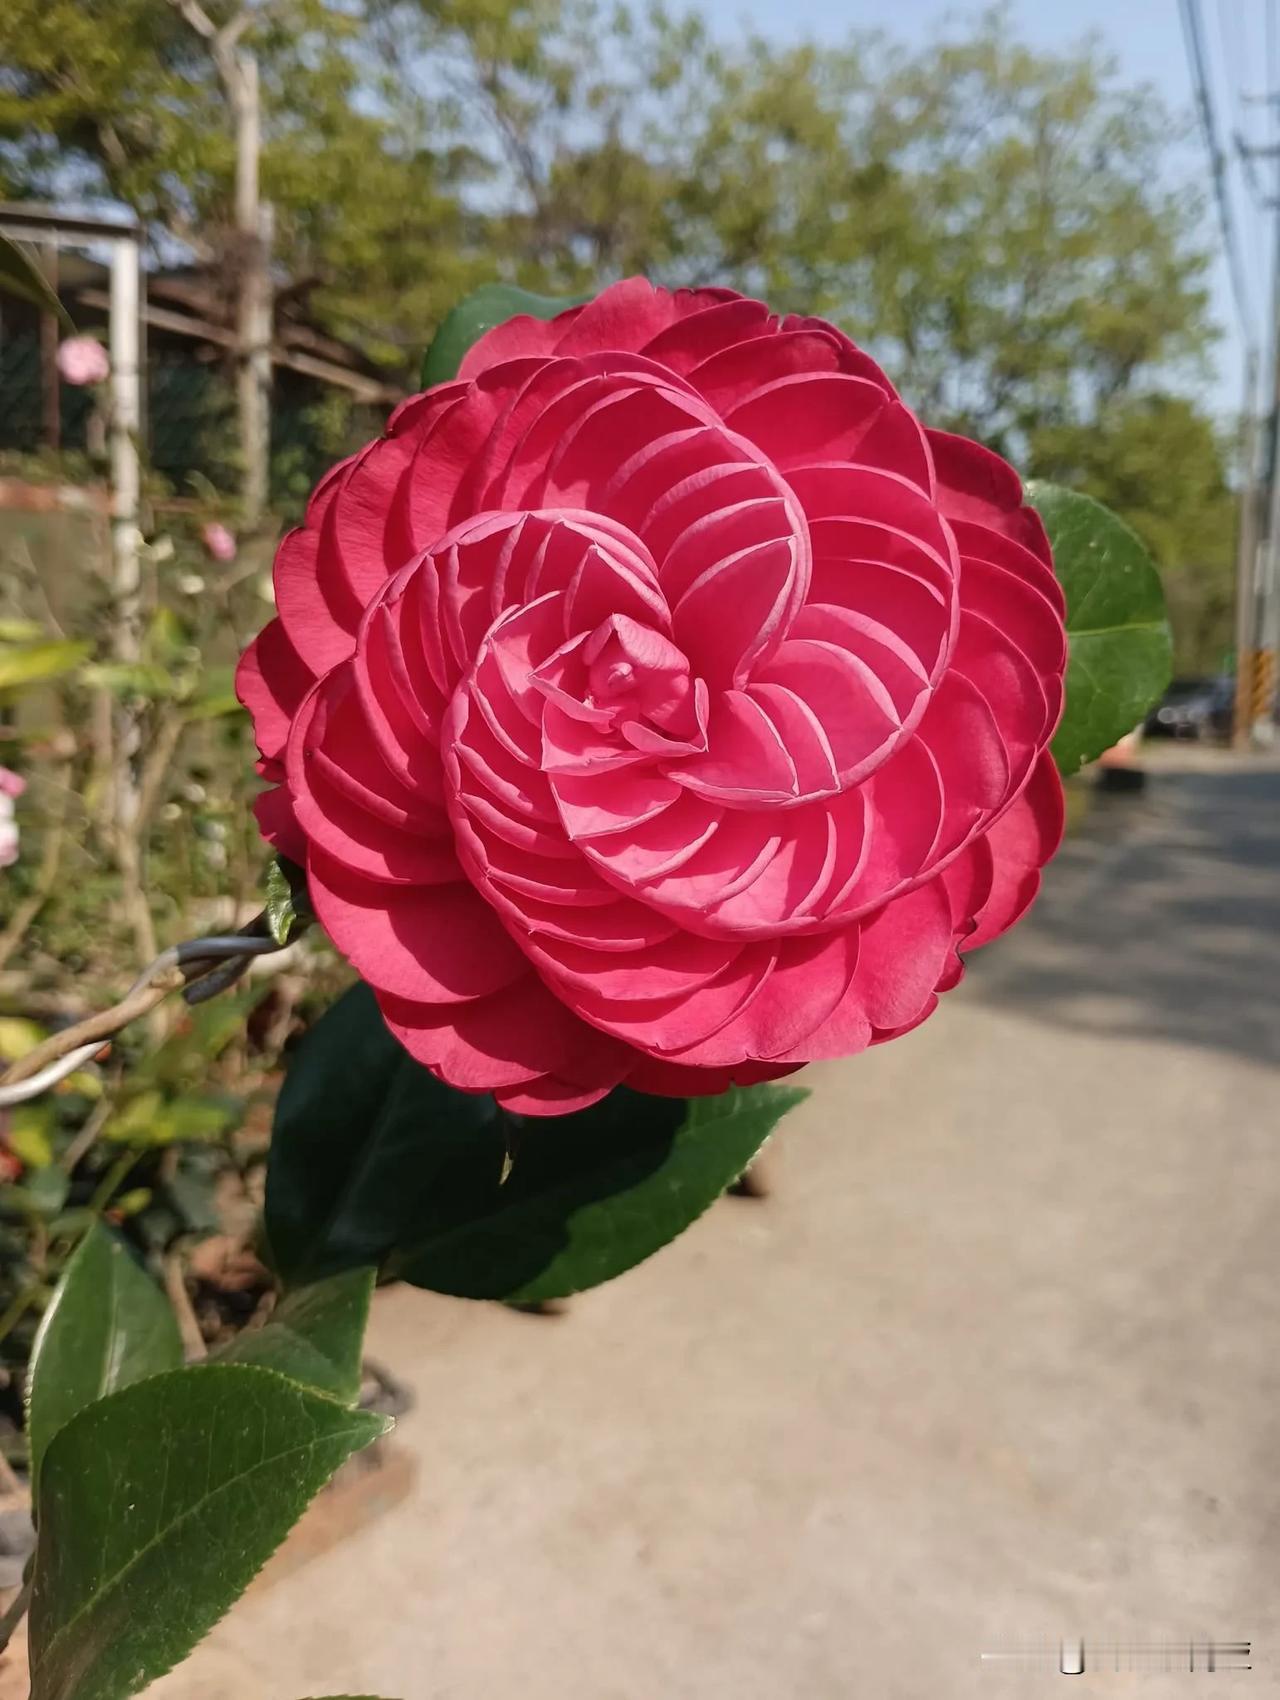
x: 660, y: 702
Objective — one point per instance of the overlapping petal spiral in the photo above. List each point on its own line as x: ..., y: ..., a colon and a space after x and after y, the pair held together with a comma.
x: 660, y: 702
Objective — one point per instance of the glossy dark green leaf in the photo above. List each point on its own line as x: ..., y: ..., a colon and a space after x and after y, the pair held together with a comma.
x: 589, y: 1196
x: 356, y: 1144
x: 287, y: 906
x: 315, y: 1335
x: 21, y: 276
x: 1120, y: 645
x: 107, y: 1325
x: 492, y: 304
x: 373, y: 1160
x: 157, y: 1507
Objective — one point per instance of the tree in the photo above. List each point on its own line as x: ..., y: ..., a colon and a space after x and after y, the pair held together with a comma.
x: 124, y: 103
x: 998, y: 224
x: 1158, y: 461
x: 995, y: 222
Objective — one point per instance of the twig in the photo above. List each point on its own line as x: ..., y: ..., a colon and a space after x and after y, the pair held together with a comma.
x: 93, y: 1028
x: 105, y: 1190
x: 191, y: 965
x: 85, y: 1139
x: 155, y: 770
x: 175, y: 1284
x: 9, y: 1482
x: 15, y: 1614
x: 17, y: 1308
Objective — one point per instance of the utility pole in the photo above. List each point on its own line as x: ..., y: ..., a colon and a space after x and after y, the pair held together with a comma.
x: 1258, y: 561
x: 237, y: 71
x: 1246, y: 554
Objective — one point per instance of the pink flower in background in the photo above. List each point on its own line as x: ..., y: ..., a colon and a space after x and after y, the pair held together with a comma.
x: 219, y: 542
x: 11, y: 786
x: 83, y: 360
x: 660, y: 702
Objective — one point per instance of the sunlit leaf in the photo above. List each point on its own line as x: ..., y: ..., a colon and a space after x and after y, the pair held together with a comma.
x: 157, y: 1507
x: 107, y: 1325
x: 30, y: 1135
x: 1120, y: 645
x: 287, y: 906
x: 492, y: 304
x: 37, y: 663
x: 315, y: 1335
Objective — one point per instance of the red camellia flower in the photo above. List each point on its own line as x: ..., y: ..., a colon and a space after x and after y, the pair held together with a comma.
x: 659, y: 702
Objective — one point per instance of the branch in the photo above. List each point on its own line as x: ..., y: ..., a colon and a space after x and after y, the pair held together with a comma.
x: 222, y: 42
x: 14, y: 1615
x: 197, y: 17
x: 199, y: 967
x: 155, y: 770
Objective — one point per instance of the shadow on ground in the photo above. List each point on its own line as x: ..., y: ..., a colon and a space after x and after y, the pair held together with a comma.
x: 1161, y: 919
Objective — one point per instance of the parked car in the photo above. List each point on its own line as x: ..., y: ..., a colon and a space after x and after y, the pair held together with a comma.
x: 1194, y: 708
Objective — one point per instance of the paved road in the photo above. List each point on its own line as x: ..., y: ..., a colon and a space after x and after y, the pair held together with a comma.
x: 999, y: 1361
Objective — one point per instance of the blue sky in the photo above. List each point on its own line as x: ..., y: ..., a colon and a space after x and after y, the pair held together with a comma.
x: 1145, y: 36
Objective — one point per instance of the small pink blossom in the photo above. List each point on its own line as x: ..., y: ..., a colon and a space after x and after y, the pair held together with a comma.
x: 83, y: 360
x: 11, y: 785
x: 220, y: 542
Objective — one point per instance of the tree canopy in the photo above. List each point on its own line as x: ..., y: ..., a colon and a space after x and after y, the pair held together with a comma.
x: 1001, y: 226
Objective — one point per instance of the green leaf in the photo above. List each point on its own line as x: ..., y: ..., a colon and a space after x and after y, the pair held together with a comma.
x: 157, y: 1507
x: 30, y: 1135
x: 315, y: 1335
x: 131, y: 679
x: 151, y: 1118
x: 35, y: 663
x: 1120, y: 645
x: 373, y: 1160
x: 288, y: 908
x: 590, y: 1195
x: 107, y: 1325
x: 351, y: 1151
x: 20, y: 276
x: 18, y: 1036
x: 214, y: 706
x: 43, y: 1193
x: 492, y: 304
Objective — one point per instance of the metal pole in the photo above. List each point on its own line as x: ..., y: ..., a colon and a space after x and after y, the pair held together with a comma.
x: 254, y: 315
x: 50, y: 393
x: 1266, y: 606
x: 126, y: 486
x: 126, y: 421
x: 1246, y: 554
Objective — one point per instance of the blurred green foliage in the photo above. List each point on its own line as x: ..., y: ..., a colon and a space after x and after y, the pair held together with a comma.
x: 164, y: 1135
x: 1002, y: 226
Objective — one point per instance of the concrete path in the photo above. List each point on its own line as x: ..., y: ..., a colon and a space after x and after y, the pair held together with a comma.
x: 998, y: 1362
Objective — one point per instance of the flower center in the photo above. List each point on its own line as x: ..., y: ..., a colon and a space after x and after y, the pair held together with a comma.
x: 613, y: 680
x: 631, y: 682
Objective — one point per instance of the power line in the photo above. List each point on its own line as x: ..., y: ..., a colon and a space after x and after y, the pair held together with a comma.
x: 1197, y: 62
x: 1235, y: 47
